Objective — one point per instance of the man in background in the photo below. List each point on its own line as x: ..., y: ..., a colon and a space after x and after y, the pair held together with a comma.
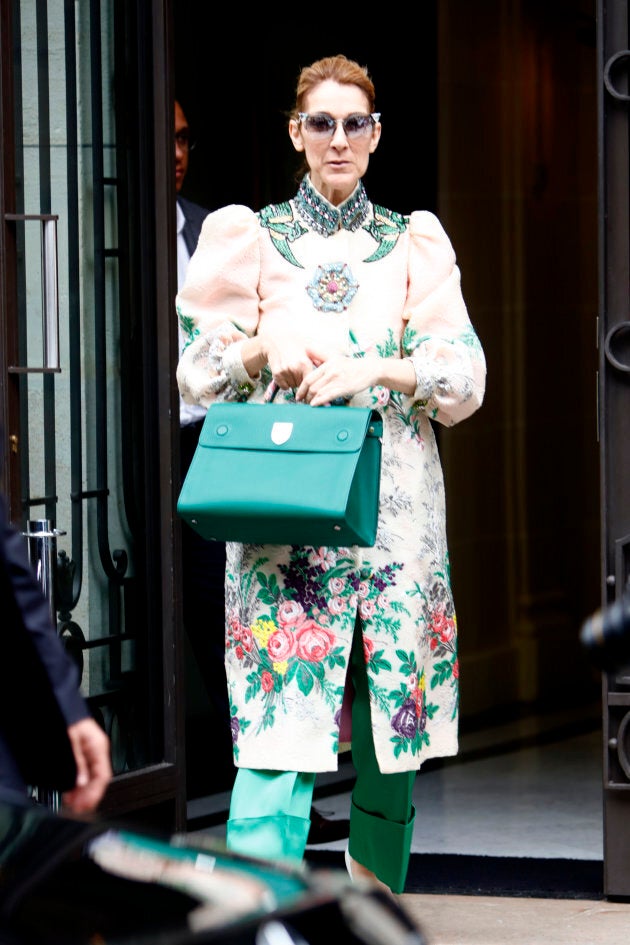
x: 203, y: 562
x: 190, y: 215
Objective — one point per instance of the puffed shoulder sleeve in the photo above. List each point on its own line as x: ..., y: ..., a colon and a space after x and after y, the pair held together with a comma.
x: 439, y: 337
x: 217, y: 307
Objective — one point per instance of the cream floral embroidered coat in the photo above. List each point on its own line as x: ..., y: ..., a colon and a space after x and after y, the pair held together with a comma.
x: 370, y: 281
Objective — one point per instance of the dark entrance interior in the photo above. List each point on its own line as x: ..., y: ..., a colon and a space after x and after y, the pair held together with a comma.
x: 480, y: 124
x: 237, y: 97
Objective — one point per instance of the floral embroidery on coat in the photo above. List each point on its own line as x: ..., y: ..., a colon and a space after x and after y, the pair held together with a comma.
x: 291, y: 612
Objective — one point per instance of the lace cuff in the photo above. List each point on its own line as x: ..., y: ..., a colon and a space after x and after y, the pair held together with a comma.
x: 424, y: 383
x: 235, y: 370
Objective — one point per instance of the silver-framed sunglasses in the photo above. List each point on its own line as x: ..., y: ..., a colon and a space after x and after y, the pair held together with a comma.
x: 323, y: 125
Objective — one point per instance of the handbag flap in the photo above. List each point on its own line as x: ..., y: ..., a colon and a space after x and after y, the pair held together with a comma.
x: 288, y: 427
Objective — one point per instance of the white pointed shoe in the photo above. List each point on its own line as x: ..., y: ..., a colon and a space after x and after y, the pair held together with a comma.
x: 361, y: 874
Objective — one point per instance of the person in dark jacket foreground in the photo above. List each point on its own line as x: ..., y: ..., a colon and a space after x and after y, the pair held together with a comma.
x: 48, y: 738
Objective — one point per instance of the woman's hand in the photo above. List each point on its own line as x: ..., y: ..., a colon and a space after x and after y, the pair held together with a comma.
x: 288, y: 360
x: 286, y: 354
x: 338, y: 377
x: 342, y: 376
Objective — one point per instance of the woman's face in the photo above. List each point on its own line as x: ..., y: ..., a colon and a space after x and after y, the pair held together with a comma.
x: 336, y: 163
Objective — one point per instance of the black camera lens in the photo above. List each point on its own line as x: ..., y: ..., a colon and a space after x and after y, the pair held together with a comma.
x: 606, y: 635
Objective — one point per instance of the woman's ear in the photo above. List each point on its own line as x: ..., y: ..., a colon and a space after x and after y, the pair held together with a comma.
x: 376, y: 137
x: 296, y: 135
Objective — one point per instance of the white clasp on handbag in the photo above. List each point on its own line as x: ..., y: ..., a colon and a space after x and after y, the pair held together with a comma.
x: 281, y: 432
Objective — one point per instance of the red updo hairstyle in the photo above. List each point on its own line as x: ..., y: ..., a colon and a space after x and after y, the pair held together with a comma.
x: 338, y: 68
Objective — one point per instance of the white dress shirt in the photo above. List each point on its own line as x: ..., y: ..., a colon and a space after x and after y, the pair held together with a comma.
x: 188, y: 413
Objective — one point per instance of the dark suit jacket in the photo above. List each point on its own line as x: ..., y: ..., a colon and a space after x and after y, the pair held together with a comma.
x: 203, y: 579
x: 195, y: 215
x: 39, y: 683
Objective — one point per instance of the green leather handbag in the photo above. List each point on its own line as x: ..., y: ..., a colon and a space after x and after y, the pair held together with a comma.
x: 287, y: 474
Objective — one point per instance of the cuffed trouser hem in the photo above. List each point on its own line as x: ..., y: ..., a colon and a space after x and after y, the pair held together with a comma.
x: 281, y: 837
x: 382, y: 846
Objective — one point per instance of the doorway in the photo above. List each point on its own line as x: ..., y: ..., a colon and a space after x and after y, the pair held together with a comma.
x: 479, y: 125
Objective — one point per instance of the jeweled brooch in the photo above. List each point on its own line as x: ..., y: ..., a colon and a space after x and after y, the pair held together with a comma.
x: 333, y: 287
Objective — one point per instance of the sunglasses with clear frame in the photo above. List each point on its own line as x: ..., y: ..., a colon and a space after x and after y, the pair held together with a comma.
x: 321, y: 125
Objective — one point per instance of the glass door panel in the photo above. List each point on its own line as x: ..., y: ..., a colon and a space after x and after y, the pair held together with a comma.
x: 77, y: 473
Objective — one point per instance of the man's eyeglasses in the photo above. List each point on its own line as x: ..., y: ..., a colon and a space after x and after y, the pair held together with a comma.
x: 321, y: 125
x: 184, y: 141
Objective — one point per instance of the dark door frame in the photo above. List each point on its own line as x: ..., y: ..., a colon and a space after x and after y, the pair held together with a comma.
x: 153, y: 790
x: 614, y: 410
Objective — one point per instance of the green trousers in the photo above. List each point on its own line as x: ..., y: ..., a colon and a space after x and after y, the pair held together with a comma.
x: 270, y: 810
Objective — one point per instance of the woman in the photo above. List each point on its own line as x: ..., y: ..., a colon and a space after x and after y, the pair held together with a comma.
x: 323, y: 297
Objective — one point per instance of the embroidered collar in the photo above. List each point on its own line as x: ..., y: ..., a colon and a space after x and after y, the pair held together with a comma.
x: 325, y: 218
